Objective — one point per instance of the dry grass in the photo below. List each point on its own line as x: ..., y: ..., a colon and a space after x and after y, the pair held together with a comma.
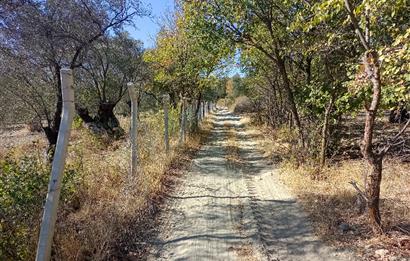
x: 330, y: 200
x: 234, y: 160
x: 118, y: 211
x: 111, y: 213
x: 232, y: 156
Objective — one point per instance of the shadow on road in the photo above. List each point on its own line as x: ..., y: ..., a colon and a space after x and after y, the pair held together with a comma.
x: 220, y: 209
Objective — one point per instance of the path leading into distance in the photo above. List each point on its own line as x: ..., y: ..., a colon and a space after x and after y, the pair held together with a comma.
x: 235, y: 211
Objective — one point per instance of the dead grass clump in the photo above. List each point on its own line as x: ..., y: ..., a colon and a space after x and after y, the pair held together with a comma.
x: 242, y: 104
x: 109, y: 214
x: 331, y: 202
x: 232, y: 157
x: 118, y: 212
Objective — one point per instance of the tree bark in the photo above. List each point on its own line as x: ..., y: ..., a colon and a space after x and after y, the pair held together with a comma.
x: 325, y: 134
x: 372, y: 68
x: 373, y: 193
x: 290, y: 97
x: 106, y: 117
x: 51, y: 130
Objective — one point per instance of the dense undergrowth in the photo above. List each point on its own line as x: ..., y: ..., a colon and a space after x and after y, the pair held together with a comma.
x: 102, y: 210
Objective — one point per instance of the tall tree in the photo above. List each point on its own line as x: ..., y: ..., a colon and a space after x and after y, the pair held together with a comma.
x: 108, y: 67
x: 50, y: 35
x: 375, y: 26
x: 261, y: 25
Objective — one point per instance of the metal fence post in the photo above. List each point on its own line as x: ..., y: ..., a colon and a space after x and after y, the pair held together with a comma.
x: 134, y: 128
x: 165, y: 100
x: 57, y: 169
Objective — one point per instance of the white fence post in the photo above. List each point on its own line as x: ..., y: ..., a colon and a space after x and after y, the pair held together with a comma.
x: 165, y: 100
x: 199, y: 112
x: 57, y: 170
x: 193, y: 115
x: 134, y: 128
x: 182, y: 134
x: 203, y: 110
x: 185, y: 117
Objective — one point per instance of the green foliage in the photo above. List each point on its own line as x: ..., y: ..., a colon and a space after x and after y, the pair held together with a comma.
x: 23, y: 187
x: 184, y: 61
x: 77, y: 123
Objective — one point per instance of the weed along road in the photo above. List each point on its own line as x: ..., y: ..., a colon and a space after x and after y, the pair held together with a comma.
x: 231, y: 206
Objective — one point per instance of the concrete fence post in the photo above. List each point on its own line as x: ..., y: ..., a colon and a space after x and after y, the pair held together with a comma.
x: 57, y: 170
x: 203, y: 110
x: 199, y: 112
x: 165, y: 100
x: 182, y: 137
x: 189, y: 117
x: 185, y: 116
x: 192, y: 116
x: 134, y: 128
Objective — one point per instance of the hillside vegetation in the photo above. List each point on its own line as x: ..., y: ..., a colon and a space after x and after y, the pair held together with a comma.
x: 326, y: 81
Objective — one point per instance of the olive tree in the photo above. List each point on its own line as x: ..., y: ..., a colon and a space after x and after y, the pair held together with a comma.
x: 45, y: 36
x: 108, y: 67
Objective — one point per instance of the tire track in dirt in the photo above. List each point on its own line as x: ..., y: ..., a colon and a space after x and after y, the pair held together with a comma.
x: 208, y: 217
x: 231, y: 206
x: 284, y: 230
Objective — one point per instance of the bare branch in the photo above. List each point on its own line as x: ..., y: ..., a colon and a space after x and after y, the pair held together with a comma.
x: 356, y: 187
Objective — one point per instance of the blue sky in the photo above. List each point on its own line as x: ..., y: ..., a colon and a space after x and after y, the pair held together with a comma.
x: 147, y: 27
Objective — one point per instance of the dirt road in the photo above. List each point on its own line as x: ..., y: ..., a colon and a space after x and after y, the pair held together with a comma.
x: 231, y: 206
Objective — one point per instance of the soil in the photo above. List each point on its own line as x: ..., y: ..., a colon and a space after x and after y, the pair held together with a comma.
x: 235, y: 210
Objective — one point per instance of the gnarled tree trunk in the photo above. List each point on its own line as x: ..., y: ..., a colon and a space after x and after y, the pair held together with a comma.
x: 104, y: 122
x: 106, y: 117
x: 51, y: 130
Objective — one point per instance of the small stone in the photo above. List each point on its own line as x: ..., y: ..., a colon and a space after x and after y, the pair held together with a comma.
x: 381, y: 252
x: 344, y: 227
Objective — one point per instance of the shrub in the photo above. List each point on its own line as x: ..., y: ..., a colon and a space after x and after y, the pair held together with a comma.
x: 23, y: 187
x: 243, y: 105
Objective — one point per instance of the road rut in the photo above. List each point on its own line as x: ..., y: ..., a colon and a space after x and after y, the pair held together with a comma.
x: 235, y: 211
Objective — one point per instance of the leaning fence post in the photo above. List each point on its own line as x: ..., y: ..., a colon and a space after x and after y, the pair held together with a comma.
x: 166, y: 128
x: 57, y: 169
x: 134, y: 128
